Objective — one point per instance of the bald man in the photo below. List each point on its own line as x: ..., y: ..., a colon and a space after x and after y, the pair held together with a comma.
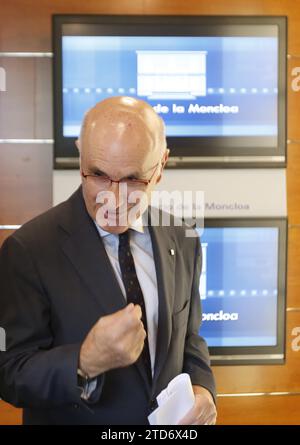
x: 100, y: 306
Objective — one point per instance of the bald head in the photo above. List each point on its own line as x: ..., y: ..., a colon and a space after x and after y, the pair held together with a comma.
x: 118, y: 120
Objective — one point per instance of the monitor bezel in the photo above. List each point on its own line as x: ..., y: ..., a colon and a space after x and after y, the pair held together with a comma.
x: 259, y: 355
x: 182, y: 149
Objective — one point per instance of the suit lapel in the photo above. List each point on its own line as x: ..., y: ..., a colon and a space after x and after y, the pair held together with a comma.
x: 85, y: 250
x: 162, y: 244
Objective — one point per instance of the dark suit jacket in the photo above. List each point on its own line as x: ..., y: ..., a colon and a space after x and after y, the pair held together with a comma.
x: 55, y: 282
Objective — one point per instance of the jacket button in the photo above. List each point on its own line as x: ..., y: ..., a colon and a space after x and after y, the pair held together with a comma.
x: 153, y: 404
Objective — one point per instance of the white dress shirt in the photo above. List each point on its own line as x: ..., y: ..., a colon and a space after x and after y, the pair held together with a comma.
x: 141, y: 249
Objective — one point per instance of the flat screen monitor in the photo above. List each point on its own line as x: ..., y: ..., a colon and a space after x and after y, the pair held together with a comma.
x: 242, y: 289
x: 218, y: 82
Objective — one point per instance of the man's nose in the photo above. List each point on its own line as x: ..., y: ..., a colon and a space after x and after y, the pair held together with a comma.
x: 120, y: 193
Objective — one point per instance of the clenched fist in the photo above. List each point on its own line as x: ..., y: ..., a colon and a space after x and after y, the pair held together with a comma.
x: 115, y: 341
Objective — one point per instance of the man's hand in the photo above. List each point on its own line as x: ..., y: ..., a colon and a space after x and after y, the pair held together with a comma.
x: 204, y: 410
x: 115, y: 341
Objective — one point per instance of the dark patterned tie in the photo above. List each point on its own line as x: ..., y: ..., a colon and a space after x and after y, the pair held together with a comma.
x: 134, y: 292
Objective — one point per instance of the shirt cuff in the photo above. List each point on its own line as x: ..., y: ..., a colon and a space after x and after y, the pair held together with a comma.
x: 87, y: 385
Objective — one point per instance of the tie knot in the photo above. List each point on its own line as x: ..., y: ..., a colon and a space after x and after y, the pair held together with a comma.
x: 124, y: 239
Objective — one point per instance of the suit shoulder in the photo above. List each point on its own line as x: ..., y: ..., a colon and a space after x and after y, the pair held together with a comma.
x: 42, y: 225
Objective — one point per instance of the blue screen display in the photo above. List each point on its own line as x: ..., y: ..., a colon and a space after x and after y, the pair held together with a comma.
x: 200, y: 86
x: 239, y: 286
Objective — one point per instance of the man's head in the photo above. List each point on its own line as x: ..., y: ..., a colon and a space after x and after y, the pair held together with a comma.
x: 122, y: 138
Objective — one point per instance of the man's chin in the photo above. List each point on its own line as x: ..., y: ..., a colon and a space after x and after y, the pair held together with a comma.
x: 111, y: 224
x: 115, y: 224
x: 115, y: 230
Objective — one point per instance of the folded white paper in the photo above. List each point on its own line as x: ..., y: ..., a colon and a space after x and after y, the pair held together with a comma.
x: 174, y: 402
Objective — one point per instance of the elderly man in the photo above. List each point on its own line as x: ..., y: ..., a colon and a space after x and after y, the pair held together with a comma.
x: 101, y: 310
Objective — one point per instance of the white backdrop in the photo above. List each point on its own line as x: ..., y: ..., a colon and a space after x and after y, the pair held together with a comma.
x: 227, y: 193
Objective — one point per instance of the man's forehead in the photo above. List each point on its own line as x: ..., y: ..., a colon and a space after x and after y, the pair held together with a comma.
x: 123, y: 160
x: 118, y: 124
x: 116, y: 170
x: 117, y: 142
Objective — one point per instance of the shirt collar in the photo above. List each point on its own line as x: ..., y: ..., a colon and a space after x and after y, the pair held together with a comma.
x: 137, y: 226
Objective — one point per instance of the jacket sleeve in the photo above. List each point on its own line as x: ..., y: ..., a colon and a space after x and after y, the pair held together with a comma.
x: 33, y: 373
x: 196, y: 355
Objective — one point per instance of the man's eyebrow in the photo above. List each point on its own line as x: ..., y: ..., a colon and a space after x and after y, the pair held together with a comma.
x: 96, y: 170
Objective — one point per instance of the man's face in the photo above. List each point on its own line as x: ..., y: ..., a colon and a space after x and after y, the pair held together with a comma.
x: 120, y: 148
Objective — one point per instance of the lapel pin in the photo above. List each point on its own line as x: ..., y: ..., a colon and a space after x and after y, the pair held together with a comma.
x: 172, y: 252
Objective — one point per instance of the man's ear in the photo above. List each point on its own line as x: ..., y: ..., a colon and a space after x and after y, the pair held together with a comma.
x: 77, y: 143
x: 166, y: 157
x: 164, y: 161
